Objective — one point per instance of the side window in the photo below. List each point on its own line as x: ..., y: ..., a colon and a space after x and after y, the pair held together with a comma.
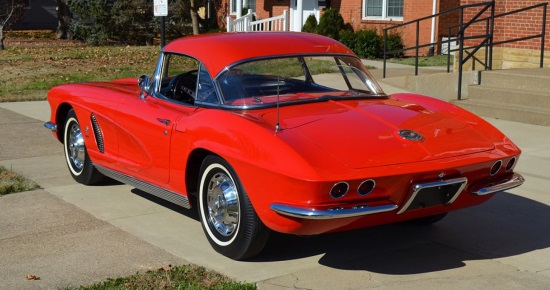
x: 179, y: 78
x: 205, y: 90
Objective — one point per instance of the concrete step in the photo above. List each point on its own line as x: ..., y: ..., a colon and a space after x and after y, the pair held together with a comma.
x: 518, y: 113
x: 520, y: 79
x: 505, y: 95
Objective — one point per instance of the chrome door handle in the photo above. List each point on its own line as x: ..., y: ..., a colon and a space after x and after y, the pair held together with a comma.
x: 164, y: 121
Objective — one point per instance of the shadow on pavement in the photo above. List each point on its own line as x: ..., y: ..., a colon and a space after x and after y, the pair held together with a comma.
x: 189, y: 213
x: 505, y: 226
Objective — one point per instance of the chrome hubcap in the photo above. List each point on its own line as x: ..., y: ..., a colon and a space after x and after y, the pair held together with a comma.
x: 223, y: 204
x: 75, y: 147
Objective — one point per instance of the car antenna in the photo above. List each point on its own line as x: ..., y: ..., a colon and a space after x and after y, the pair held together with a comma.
x: 277, y: 126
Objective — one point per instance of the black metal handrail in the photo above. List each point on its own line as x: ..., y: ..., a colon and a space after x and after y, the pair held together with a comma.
x: 486, y: 39
x: 542, y: 35
x: 417, y: 22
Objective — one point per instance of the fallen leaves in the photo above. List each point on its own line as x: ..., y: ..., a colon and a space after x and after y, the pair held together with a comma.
x: 165, y: 268
x: 32, y: 277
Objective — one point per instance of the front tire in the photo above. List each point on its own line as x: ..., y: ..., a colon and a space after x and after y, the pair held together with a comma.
x: 228, y: 219
x: 80, y: 165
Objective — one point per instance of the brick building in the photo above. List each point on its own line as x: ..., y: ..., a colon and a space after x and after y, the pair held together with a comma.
x: 380, y: 14
x: 360, y: 14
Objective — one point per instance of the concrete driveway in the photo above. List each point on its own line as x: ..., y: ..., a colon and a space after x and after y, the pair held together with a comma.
x: 502, y: 244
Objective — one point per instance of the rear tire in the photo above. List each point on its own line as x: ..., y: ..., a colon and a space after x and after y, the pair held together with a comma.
x: 228, y: 219
x: 80, y: 165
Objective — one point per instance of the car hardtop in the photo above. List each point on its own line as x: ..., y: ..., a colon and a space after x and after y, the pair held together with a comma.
x: 220, y: 50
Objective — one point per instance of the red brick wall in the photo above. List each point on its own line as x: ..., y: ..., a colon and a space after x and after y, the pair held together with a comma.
x: 351, y: 11
x: 413, y: 10
x: 518, y: 25
x: 447, y: 20
x: 271, y: 8
x: 221, y: 13
x: 480, y: 28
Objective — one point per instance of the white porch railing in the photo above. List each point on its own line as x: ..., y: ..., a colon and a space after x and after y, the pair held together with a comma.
x: 245, y: 23
x: 239, y: 24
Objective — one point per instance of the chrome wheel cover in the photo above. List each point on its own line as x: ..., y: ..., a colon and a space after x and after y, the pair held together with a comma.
x: 75, y: 147
x: 222, y: 199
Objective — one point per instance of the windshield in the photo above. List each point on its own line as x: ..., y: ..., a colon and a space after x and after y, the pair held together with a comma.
x: 296, y: 79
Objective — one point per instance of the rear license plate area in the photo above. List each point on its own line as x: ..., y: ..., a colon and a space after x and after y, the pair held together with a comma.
x: 436, y: 193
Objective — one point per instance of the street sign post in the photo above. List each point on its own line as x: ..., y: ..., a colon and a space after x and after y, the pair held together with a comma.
x: 160, y: 9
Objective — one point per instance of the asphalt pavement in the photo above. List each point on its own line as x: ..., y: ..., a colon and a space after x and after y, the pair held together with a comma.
x: 68, y: 234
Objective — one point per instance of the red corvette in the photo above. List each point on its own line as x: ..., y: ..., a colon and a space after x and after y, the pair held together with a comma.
x: 279, y: 131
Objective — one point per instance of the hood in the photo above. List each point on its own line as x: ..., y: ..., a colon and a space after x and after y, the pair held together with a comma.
x: 364, y: 133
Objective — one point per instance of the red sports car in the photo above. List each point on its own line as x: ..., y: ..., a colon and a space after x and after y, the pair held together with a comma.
x: 282, y: 132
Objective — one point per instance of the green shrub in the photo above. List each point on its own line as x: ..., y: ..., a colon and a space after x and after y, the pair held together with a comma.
x: 349, y: 39
x: 364, y: 43
x: 310, y: 25
x: 330, y: 24
x: 92, y: 20
x: 394, y: 41
x: 368, y: 44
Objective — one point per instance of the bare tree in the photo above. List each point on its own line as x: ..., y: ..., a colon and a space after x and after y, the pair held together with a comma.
x: 64, y: 17
x: 11, y: 11
x: 194, y: 16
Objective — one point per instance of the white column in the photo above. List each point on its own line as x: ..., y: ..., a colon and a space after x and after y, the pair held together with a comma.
x: 239, y: 8
x: 229, y: 24
x: 300, y: 19
x: 285, y: 20
x: 434, y: 11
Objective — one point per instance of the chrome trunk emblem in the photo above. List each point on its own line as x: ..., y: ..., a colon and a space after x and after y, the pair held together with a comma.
x: 410, y: 135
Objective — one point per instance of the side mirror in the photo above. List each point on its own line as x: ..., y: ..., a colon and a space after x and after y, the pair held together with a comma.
x: 144, y: 85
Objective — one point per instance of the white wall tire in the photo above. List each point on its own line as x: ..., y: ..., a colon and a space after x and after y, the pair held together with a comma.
x: 228, y: 219
x: 76, y: 156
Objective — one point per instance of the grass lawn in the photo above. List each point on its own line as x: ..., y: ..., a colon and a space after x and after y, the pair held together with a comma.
x: 29, y: 72
x: 436, y: 60
x: 180, y: 277
x: 12, y: 182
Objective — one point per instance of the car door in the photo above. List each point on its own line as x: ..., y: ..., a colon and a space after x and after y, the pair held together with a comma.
x: 146, y: 123
x: 146, y: 127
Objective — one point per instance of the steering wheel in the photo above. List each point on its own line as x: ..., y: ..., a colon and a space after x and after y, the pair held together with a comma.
x: 182, y: 87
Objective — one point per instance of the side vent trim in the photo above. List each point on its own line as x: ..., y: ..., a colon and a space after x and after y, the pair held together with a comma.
x: 98, y: 134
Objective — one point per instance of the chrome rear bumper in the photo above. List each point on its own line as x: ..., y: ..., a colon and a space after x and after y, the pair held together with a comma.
x: 315, y: 214
x: 515, y: 181
x: 311, y: 213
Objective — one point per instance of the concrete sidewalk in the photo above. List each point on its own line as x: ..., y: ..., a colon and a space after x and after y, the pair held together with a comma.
x: 43, y: 235
x: 69, y: 234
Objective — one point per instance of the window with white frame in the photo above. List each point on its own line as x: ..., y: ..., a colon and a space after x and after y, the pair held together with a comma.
x: 250, y: 4
x: 383, y: 9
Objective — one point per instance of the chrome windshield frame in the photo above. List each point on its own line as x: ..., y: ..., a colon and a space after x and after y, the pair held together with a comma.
x: 369, y: 81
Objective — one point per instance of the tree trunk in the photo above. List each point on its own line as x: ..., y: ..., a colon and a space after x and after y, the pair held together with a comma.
x: 2, y: 37
x: 64, y: 17
x: 194, y: 17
